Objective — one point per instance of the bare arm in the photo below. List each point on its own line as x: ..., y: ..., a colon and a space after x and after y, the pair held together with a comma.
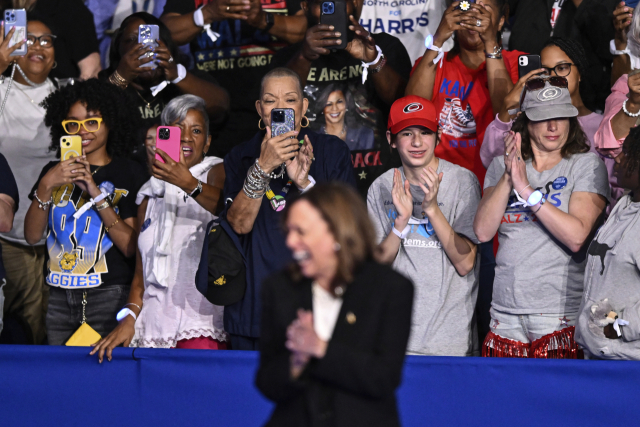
x: 491, y: 209
x: 460, y: 250
x: 621, y: 122
x: 621, y: 23
x: 7, y: 211
x: 243, y: 212
x: 124, y: 332
x: 215, y: 97
x: 90, y: 66
x: 290, y: 29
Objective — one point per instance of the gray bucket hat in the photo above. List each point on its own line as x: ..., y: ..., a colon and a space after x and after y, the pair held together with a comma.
x: 550, y: 102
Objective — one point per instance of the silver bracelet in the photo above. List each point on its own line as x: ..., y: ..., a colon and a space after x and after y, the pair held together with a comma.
x: 136, y: 305
x: 496, y: 54
x: 273, y: 174
x: 42, y: 205
x: 624, y: 108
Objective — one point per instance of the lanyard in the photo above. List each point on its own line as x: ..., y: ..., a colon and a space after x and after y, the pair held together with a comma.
x: 277, y: 201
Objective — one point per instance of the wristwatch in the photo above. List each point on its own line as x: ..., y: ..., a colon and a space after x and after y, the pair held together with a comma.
x: 269, y: 18
x: 196, y: 191
x: 535, y: 198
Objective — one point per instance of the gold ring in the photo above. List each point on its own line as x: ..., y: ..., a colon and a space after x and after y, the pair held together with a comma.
x: 227, y: 8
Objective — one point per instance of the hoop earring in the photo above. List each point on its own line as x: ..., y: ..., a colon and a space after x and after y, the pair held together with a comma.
x: 55, y: 64
x: 304, y: 117
x: 260, y: 121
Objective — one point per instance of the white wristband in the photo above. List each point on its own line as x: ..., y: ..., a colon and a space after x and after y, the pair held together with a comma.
x: 182, y: 73
x: 88, y: 205
x: 198, y: 17
x: 402, y: 234
x: 614, y: 51
x: 429, y: 44
x: 365, y: 65
x: 124, y: 313
x: 309, y: 186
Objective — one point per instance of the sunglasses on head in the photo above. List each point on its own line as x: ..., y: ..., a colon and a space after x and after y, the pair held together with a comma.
x: 539, y: 82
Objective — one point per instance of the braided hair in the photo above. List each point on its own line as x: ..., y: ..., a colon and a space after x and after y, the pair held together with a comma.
x: 117, y: 114
x: 631, y: 148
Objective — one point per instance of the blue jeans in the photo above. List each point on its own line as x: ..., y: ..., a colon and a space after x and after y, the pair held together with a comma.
x: 64, y: 315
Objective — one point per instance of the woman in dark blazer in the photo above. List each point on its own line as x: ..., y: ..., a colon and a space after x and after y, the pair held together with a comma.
x: 335, y: 325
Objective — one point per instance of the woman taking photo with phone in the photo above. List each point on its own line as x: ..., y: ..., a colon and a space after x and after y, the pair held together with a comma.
x: 24, y: 141
x: 152, y: 82
x: 335, y: 323
x: 262, y: 175
x: 554, y: 192
x: 87, y: 206
x: 164, y: 308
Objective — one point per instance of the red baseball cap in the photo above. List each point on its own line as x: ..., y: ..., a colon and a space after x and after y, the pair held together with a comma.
x: 412, y: 110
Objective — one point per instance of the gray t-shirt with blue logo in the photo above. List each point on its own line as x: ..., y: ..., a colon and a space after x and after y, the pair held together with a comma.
x: 535, y: 273
x: 443, y: 322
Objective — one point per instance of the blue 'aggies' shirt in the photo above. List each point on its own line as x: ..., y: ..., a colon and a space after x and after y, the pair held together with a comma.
x: 81, y: 253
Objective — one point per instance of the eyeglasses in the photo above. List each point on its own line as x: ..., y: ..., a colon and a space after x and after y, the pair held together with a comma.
x: 561, y: 70
x: 72, y: 127
x: 45, y: 40
x: 538, y: 83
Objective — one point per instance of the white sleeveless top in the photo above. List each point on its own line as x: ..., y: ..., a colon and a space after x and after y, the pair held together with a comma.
x: 178, y: 311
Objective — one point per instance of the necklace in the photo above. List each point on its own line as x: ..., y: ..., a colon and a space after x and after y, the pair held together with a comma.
x: 144, y: 100
x: 100, y: 167
x: 344, y: 130
x: 26, y: 79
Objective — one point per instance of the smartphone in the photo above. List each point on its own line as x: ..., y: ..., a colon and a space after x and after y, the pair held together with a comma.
x: 464, y: 5
x: 334, y: 13
x: 282, y: 121
x: 147, y: 35
x: 168, y: 140
x: 528, y: 63
x: 16, y: 18
x: 70, y: 146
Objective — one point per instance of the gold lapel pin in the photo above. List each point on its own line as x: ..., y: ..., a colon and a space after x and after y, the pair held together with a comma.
x: 351, y: 318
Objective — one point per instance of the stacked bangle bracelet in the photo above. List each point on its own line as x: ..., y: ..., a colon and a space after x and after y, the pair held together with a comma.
x: 117, y: 80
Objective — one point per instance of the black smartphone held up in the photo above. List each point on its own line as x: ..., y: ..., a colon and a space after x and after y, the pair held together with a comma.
x: 334, y: 12
x: 465, y: 5
x: 528, y: 63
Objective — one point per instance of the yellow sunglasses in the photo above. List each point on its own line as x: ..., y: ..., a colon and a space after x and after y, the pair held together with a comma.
x: 72, y: 127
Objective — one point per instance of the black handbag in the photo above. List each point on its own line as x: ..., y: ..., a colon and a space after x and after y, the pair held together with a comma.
x: 222, y: 273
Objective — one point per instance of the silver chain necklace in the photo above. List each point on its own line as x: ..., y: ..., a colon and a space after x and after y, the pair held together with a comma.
x: 26, y: 79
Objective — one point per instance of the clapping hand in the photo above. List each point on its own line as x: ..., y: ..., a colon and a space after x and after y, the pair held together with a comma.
x: 302, y: 338
x: 515, y: 165
x: 430, y: 188
x: 402, y: 200
x: 298, y: 168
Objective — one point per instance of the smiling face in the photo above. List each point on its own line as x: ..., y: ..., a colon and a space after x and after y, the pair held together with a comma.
x: 39, y: 60
x: 549, y: 135
x: 415, y: 145
x: 311, y: 241
x: 281, y: 92
x: 127, y: 41
x: 469, y: 39
x: 94, y: 143
x: 552, y: 56
x: 193, y: 139
x: 335, y: 108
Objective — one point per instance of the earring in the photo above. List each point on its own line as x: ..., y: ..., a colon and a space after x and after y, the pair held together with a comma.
x: 337, y: 246
x: 304, y: 117
x: 55, y: 64
x: 259, y: 122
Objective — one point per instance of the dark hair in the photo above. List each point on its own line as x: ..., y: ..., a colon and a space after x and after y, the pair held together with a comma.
x: 165, y: 36
x: 321, y: 101
x: 117, y: 114
x: 577, y: 141
x: 345, y: 213
x: 45, y: 19
x: 577, y: 55
x: 631, y: 148
x: 502, y: 6
x: 281, y: 72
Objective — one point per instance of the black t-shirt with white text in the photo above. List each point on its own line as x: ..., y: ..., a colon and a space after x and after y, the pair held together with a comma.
x: 237, y: 60
x: 81, y: 253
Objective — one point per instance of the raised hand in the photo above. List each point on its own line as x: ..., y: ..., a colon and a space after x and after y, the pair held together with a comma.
x: 449, y: 23
x: 430, y: 188
x: 5, y: 51
x: 298, y: 168
x: 621, y: 23
x: 219, y: 10
x: 402, y: 200
x: 487, y: 30
x: 362, y: 47
x: 130, y: 63
x: 277, y: 150
x: 512, y: 100
x: 166, y: 62
x: 318, y: 40
x: 84, y: 179
x: 176, y: 173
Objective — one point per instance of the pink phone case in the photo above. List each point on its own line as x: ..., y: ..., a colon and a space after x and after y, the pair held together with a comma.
x: 170, y: 143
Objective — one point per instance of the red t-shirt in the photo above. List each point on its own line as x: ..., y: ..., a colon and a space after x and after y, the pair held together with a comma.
x: 463, y: 106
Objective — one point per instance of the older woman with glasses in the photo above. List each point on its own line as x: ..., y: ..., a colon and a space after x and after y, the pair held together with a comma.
x: 544, y: 198
x: 24, y: 141
x: 87, y: 207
